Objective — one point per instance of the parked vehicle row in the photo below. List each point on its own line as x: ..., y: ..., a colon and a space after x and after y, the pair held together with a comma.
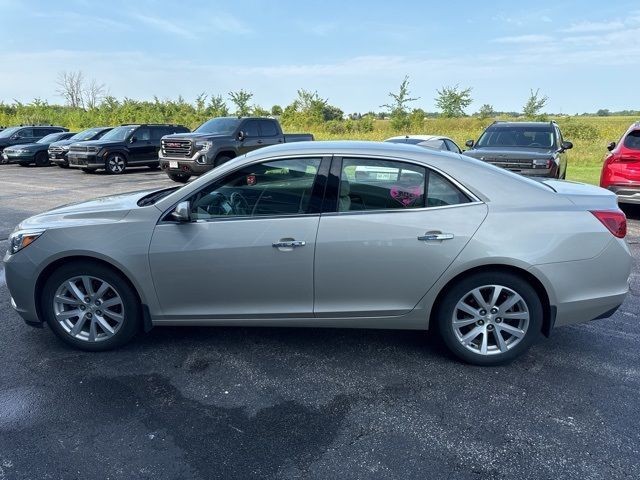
x: 535, y: 149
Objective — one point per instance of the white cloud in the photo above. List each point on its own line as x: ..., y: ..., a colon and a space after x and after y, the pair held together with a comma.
x: 589, y: 27
x: 523, y: 39
x: 163, y: 25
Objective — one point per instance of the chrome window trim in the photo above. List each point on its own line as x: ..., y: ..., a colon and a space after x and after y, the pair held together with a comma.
x: 397, y: 210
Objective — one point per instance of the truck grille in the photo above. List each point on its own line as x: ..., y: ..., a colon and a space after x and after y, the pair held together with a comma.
x: 177, y: 148
x: 510, y: 163
x: 55, y: 150
x: 77, y: 148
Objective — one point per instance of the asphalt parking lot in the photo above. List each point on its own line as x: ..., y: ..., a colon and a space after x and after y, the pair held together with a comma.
x: 305, y: 403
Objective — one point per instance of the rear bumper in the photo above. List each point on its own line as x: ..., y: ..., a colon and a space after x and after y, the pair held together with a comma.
x: 589, y: 289
x: 626, y: 193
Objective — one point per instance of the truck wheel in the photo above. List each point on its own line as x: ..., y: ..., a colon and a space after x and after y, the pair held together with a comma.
x: 42, y: 160
x: 179, y: 177
x: 115, y: 163
x: 222, y: 159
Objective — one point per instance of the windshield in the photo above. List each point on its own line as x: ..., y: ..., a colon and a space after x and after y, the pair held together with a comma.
x: 88, y: 134
x: 8, y: 132
x: 222, y: 125
x: 52, y: 137
x: 119, y: 133
x: 410, y: 141
x: 517, y: 136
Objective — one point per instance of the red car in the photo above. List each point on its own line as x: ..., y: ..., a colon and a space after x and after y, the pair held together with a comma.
x: 621, y: 169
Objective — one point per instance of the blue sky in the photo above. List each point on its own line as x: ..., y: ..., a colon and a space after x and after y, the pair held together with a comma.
x: 584, y: 55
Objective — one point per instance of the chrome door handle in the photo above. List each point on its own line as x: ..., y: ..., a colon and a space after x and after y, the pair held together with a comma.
x: 289, y: 244
x: 431, y: 236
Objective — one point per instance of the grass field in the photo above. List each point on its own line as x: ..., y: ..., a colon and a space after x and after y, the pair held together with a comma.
x: 590, y: 136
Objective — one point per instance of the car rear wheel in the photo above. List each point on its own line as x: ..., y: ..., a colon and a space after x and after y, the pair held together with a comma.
x: 179, y: 177
x: 90, y: 306
x: 42, y: 159
x: 115, y: 163
x: 490, y: 318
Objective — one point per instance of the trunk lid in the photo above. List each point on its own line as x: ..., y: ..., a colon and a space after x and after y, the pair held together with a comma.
x: 581, y: 194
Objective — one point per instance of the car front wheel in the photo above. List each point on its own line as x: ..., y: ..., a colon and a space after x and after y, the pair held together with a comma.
x: 90, y: 306
x: 490, y: 318
x: 115, y: 163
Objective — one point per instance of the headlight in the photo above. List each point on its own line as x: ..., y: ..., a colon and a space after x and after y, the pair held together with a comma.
x: 22, y: 238
x: 204, y: 146
x: 93, y: 149
x: 64, y: 148
x: 20, y: 150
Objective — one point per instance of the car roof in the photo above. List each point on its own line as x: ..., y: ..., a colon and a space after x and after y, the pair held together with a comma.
x: 417, y: 137
x: 520, y: 124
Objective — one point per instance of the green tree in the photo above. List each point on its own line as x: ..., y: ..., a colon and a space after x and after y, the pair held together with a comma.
x: 416, y: 119
x: 258, y: 111
x: 535, y: 103
x: 241, y: 100
x: 486, y: 111
x: 452, y: 101
x: 398, y: 108
x: 276, y: 110
x: 217, y: 107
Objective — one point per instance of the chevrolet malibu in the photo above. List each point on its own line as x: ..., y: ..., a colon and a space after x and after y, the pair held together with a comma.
x: 291, y: 235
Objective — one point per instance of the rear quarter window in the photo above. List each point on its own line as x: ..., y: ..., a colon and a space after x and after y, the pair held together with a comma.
x: 632, y: 140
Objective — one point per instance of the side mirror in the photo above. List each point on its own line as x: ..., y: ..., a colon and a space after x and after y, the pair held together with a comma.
x: 611, y: 146
x: 241, y: 136
x: 15, y: 136
x: 182, y: 212
x: 567, y: 145
x: 469, y: 143
x: 133, y: 139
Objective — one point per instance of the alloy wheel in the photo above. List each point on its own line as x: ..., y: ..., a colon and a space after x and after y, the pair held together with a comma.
x: 88, y: 308
x: 116, y: 164
x: 490, y: 319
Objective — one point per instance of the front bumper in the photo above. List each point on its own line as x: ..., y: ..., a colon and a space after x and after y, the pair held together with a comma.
x: 84, y: 160
x: 21, y: 276
x: 9, y: 157
x: 530, y: 172
x: 626, y: 193
x: 184, y: 165
x: 59, y: 158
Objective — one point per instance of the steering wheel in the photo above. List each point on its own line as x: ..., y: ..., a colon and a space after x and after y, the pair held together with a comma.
x: 239, y: 204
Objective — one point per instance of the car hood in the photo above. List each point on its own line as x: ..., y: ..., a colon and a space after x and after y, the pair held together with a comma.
x: 61, y: 143
x: 196, y: 136
x: 509, y: 153
x: 99, y: 210
x: 26, y: 146
x: 100, y: 143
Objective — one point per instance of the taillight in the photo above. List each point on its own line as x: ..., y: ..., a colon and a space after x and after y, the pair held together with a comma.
x: 614, y: 220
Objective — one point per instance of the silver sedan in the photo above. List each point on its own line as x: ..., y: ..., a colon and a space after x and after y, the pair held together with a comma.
x: 330, y: 234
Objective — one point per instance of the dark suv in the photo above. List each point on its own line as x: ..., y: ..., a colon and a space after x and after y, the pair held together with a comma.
x: 530, y: 148
x: 125, y: 146
x: 58, y: 150
x: 25, y: 134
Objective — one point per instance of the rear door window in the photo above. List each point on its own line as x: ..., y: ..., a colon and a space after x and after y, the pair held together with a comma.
x: 368, y: 184
x: 251, y: 129
x: 268, y: 128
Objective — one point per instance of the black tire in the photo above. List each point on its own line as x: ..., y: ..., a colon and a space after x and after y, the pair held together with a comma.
x: 179, y: 177
x: 23, y: 164
x: 131, y: 324
x: 459, y: 291
x: 89, y: 170
x: 42, y: 159
x: 115, y: 163
x: 63, y: 164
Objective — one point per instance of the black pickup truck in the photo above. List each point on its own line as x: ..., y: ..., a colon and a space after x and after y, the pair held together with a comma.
x: 218, y: 141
